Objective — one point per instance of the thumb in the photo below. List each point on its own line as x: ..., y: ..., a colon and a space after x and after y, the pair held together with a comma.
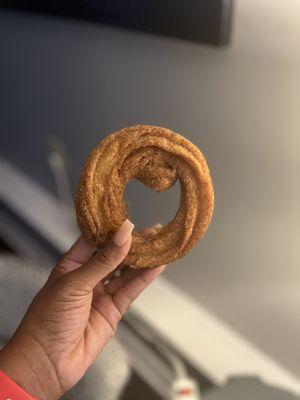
x: 104, y: 262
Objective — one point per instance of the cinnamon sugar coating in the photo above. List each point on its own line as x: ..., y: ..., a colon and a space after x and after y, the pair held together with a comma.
x: 157, y: 157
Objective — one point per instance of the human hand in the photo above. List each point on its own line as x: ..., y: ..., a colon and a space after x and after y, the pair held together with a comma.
x: 73, y: 316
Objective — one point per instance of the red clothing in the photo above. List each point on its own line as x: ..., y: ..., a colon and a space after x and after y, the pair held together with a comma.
x: 9, y: 390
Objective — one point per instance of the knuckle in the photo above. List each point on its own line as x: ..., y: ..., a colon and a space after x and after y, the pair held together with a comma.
x: 109, y: 257
x: 66, y: 264
x: 74, y: 284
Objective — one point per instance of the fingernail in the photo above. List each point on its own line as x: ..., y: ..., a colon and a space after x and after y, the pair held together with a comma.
x: 123, y: 233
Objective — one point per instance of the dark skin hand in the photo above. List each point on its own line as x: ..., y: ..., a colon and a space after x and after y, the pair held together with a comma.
x: 73, y: 316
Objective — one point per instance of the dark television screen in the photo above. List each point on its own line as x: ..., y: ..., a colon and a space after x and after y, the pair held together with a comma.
x: 206, y: 21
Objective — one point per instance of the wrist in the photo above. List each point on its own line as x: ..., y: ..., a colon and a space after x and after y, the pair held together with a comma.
x: 29, y: 372
x: 14, y: 366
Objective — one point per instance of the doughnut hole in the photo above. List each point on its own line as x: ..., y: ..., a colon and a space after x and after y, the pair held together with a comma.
x: 148, y: 207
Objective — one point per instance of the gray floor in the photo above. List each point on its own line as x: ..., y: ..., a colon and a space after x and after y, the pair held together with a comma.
x: 247, y: 388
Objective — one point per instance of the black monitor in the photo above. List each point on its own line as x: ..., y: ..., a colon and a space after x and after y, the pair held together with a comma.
x: 205, y: 21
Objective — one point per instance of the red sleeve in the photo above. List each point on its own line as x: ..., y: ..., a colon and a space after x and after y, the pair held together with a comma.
x: 9, y: 390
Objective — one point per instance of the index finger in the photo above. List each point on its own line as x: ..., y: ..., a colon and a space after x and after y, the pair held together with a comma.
x: 132, y: 289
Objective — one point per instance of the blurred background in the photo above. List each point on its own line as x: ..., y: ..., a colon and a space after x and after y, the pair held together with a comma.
x: 227, y: 76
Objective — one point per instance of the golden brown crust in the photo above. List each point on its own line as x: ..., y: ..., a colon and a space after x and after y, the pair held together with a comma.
x: 157, y: 157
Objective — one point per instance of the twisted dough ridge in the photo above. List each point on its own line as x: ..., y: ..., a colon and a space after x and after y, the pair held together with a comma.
x: 157, y: 157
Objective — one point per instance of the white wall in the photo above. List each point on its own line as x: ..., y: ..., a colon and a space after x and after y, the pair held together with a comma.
x: 247, y: 269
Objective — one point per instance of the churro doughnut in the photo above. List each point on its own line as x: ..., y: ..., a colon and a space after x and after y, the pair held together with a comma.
x: 157, y: 157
